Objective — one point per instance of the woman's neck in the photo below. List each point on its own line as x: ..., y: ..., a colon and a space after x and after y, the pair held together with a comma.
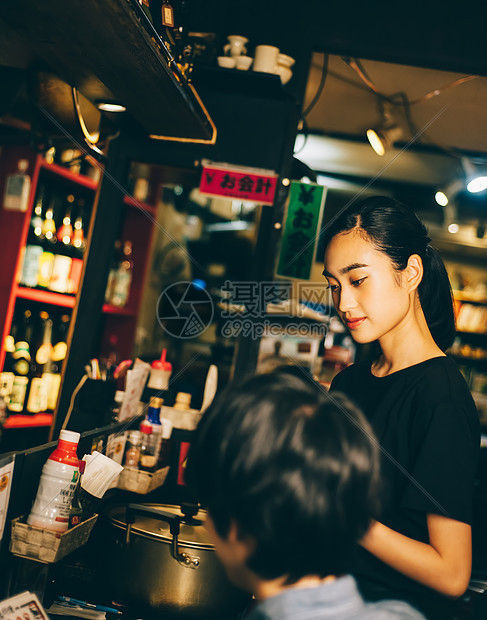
x: 410, y: 344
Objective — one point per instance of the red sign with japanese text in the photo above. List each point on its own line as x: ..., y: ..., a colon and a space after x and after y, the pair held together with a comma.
x: 239, y: 183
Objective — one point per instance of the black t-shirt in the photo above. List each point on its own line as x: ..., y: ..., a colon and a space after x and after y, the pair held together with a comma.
x: 428, y: 428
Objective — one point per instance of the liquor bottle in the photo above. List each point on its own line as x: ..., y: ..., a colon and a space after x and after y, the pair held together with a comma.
x: 79, y: 233
x: 123, y: 277
x: 33, y: 251
x: 59, y: 350
x: 37, y: 398
x: 59, y: 476
x: 65, y: 231
x: 17, y: 188
x: 21, y: 364
x: 116, y: 259
x: 77, y: 248
x: 49, y: 224
x: 7, y: 375
x: 61, y: 268
x: 36, y: 222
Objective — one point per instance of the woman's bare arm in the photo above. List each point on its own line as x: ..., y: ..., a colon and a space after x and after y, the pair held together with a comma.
x: 444, y: 564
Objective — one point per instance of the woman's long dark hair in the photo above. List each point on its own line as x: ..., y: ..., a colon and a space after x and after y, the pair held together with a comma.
x: 398, y: 232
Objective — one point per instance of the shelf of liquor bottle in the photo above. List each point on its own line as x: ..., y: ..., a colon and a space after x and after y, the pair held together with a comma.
x: 17, y: 420
x: 109, y: 309
x: 46, y: 297
x: 130, y: 201
x: 473, y: 298
x: 78, y: 179
x: 469, y: 358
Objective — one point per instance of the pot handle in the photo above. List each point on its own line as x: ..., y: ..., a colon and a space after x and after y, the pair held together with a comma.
x: 174, y: 528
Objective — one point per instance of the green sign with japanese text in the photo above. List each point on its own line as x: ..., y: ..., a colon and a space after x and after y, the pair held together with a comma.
x: 301, y: 230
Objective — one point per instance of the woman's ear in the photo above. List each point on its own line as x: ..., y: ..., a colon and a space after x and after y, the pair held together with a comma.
x: 413, y: 272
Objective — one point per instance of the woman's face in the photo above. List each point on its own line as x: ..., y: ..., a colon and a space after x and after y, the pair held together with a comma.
x: 368, y: 293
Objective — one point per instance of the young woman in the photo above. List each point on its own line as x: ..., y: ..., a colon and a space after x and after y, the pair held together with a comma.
x: 390, y: 287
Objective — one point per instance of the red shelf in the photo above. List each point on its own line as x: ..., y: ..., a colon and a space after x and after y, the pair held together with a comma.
x: 45, y: 297
x: 79, y: 179
x: 137, y: 204
x: 108, y: 309
x: 28, y: 421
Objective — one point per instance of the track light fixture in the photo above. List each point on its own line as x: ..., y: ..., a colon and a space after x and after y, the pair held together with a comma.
x: 476, y: 182
x: 446, y: 194
x: 387, y: 133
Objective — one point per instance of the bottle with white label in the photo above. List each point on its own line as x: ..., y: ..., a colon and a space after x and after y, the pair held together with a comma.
x: 58, y: 481
x: 17, y: 188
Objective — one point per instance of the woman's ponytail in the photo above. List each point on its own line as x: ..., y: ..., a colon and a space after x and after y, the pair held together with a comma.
x: 436, y: 299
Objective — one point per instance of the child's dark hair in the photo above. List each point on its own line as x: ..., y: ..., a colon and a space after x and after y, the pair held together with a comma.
x: 295, y: 468
x: 398, y: 232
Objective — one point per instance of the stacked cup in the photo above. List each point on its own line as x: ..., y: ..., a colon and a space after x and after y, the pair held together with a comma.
x: 235, y: 54
x: 268, y: 59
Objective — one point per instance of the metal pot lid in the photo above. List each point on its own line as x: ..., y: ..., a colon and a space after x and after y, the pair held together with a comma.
x: 191, y: 534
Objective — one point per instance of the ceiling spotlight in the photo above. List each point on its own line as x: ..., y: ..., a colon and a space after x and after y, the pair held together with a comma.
x: 449, y: 192
x: 453, y: 228
x: 110, y: 106
x: 476, y: 182
x: 383, y: 137
x: 441, y: 198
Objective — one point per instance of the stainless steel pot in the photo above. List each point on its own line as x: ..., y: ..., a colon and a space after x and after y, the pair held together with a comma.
x: 159, y: 559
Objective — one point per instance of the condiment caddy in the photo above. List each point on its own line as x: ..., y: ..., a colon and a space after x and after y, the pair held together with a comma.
x: 50, y: 531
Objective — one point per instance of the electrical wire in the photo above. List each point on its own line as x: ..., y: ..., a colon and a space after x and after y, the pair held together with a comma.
x: 304, y: 132
x: 438, y: 91
x: 321, y: 86
x: 406, y: 104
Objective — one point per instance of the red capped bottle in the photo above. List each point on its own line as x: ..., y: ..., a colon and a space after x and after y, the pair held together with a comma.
x: 57, y: 485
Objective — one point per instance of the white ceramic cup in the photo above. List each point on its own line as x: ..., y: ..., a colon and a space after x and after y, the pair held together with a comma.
x: 265, y: 59
x: 244, y: 62
x: 285, y: 60
x: 236, y: 45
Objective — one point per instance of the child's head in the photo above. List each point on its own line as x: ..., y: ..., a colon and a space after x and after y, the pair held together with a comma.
x: 289, y: 470
x: 397, y: 233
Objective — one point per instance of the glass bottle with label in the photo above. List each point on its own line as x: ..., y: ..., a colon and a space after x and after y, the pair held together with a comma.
x: 7, y: 375
x: 37, y: 399
x: 17, y: 188
x: 116, y: 260
x: 132, y: 450
x: 21, y: 364
x: 123, y: 277
x: 59, y: 350
x: 65, y: 231
x: 33, y: 251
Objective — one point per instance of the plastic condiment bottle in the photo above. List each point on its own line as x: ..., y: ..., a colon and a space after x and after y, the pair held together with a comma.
x: 148, y: 458
x: 160, y: 373
x: 183, y: 401
x: 132, y: 451
x: 57, y: 485
x: 154, y: 419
